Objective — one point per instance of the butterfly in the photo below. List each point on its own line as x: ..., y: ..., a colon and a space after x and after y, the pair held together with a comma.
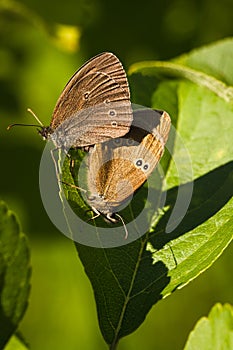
x: 117, y: 168
x: 93, y: 107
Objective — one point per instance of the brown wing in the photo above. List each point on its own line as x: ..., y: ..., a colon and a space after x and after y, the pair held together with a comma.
x: 111, y: 179
x: 99, y: 168
x: 119, y: 167
x: 101, y: 79
x: 151, y: 147
x: 94, y: 125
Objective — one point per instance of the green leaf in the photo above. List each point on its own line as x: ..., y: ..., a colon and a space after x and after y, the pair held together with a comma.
x: 14, y: 274
x: 128, y: 280
x: 214, y: 332
x: 15, y: 344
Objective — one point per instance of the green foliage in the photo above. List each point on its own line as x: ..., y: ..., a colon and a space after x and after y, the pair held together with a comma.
x: 130, y: 279
x: 33, y: 72
x: 213, y: 332
x: 14, y: 274
x: 15, y: 344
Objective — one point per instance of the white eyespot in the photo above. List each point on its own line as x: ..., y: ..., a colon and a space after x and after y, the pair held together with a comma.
x: 112, y: 113
x: 117, y: 142
x: 146, y: 166
x: 141, y: 164
x: 130, y: 142
x: 86, y: 95
x: 114, y: 124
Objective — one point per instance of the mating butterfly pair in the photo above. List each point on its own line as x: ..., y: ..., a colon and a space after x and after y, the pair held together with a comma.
x: 94, y: 109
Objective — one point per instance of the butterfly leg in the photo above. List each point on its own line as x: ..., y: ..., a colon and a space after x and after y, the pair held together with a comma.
x: 114, y: 220
x: 97, y: 214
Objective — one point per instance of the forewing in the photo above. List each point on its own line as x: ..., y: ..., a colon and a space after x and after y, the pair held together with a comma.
x: 101, y: 79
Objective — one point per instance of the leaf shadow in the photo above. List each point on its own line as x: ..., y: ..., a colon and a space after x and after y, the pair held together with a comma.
x: 7, y: 328
x: 141, y: 278
x: 135, y: 293
x: 210, y: 194
x: 147, y: 290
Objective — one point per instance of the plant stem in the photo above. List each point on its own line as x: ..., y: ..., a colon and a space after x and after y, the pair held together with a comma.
x: 180, y: 71
x: 113, y: 346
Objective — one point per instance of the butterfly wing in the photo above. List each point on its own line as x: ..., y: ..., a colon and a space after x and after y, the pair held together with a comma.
x: 97, y: 123
x: 119, y: 167
x: 143, y: 146
x: 108, y: 178
x: 151, y: 146
x: 87, y: 101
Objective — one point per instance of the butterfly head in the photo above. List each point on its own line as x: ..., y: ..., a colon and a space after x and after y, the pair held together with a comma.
x: 105, y: 209
x: 100, y: 204
x: 45, y: 132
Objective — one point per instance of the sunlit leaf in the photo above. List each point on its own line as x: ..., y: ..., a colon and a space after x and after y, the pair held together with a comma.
x: 128, y: 280
x: 213, y: 332
x: 15, y: 344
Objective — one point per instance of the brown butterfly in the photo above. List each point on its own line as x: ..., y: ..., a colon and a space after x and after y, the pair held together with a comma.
x: 93, y: 107
x: 117, y: 168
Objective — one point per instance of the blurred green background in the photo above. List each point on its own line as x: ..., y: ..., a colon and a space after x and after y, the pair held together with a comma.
x: 42, y: 43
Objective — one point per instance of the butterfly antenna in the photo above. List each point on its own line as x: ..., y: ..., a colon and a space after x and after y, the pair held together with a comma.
x: 35, y: 116
x: 124, y: 225
x: 19, y: 124
x: 74, y: 186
